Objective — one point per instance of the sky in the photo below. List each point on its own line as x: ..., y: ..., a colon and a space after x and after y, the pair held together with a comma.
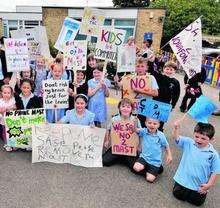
x: 10, y: 5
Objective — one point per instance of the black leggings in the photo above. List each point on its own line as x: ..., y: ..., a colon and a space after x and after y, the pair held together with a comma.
x: 185, y: 194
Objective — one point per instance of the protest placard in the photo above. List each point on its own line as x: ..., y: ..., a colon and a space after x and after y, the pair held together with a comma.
x: 68, y: 32
x: 18, y: 126
x: 67, y: 143
x: 202, y: 109
x: 124, y: 139
x: 154, y: 109
x: 75, y: 55
x: 109, y: 39
x: 92, y: 20
x: 126, y: 59
x: 16, y: 51
x: 55, y: 94
x: 37, y: 41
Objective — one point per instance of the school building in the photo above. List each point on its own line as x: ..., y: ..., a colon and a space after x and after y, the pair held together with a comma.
x: 136, y: 21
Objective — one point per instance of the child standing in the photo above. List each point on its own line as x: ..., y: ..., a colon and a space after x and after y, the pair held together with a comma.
x: 97, y: 91
x: 199, y: 165
x: 7, y: 103
x: 152, y: 144
x: 26, y: 99
x: 80, y: 115
x: 125, y: 108
x: 91, y: 65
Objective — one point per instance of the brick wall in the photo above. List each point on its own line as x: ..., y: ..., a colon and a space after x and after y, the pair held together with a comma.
x: 149, y: 20
x: 1, y: 27
x: 53, y: 20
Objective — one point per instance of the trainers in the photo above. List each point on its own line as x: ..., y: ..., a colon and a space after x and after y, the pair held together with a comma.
x: 8, y: 148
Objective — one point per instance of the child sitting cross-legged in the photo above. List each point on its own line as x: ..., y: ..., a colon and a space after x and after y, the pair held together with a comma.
x: 153, y: 142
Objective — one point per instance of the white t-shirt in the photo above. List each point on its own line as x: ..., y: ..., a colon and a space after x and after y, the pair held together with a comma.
x: 6, y: 104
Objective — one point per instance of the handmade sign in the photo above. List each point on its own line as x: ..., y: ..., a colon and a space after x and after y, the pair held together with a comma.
x: 154, y: 109
x: 109, y: 40
x: 67, y: 143
x: 37, y: 41
x: 75, y: 55
x: 92, y: 20
x: 124, y: 139
x: 55, y: 94
x: 16, y: 51
x: 68, y: 32
x: 18, y: 126
x: 187, y: 46
x: 202, y: 109
x: 126, y: 59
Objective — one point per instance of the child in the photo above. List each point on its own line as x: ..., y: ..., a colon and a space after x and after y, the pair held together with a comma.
x: 150, y: 159
x: 7, y: 103
x: 193, y: 89
x: 97, y: 91
x: 80, y: 85
x: 41, y: 74
x: 152, y: 91
x: 125, y: 108
x: 169, y: 87
x: 80, y: 115
x: 91, y: 64
x: 199, y: 166
x: 26, y: 99
x: 54, y: 115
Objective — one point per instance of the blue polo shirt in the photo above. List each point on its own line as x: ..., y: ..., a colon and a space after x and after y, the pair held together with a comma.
x: 196, y: 165
x: 72, y: 118
x: 152, y: 145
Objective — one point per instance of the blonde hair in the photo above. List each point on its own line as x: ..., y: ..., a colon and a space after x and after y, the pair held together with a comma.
x: 9, y: 87
x: 141, y: 60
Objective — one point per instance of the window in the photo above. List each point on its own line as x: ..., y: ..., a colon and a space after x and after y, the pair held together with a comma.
x: 31, y: 24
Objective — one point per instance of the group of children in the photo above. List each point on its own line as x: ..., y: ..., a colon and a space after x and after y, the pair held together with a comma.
x: 200, y: 163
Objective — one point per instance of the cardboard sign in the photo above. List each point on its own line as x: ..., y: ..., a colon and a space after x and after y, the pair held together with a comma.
x: 202, y: 109
x: 18, y: 126
x: 55, y: 94
x: 109, y: 40
x: 124, y: 139
x: 126, y: 59
x: 92, y: 20
x: 16, y: 51
x: 37, y: 41
x: 68, y: 32
x: 75, y: 55
x: 154, y: 109
x: 67, y: 143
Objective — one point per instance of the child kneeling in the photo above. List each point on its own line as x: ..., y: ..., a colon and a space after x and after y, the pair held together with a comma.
x: 153, y: 141
x: 199, y: 166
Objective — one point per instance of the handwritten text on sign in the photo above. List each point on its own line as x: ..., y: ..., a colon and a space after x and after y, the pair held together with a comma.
x: 75, y: 53
x: 66, y: 143
x: 16, y: 51
x: 154, y: 109
x: 201, y: 114
x: 56, y: 94
x: 108, y: 41
x: 124, y: 138
x: 18, y: 126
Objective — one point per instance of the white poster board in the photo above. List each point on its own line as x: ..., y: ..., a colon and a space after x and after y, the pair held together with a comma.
x: 75, y: 55
x: 16, y: 51
x: 109, y: 40
x: 67, y: 143
x: 68, y: 32
x: 126, y: 58
x: 37, y: 41
x: 55, y: 94
x: 92, y: 20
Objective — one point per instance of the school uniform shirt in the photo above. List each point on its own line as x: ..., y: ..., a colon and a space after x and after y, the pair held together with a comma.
x: 196, y: 165
x: 152, y: 146
x: 40, y: 76
x: 7, y: 104
x: 97, y: 102
x: 30, y: 102
x: 71, y: 117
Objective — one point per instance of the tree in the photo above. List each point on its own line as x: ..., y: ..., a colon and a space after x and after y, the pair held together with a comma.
x: 131, y: 3
x: 179, y: 14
